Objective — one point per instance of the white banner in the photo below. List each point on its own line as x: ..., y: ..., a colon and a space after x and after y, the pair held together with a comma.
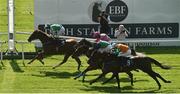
x: 132, y: 13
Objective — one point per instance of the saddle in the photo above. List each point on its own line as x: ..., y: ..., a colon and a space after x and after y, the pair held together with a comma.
x: 57, y: 42
x: 126, y: 61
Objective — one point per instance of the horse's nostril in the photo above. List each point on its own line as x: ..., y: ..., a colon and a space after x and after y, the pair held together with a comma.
x: 29, y: 40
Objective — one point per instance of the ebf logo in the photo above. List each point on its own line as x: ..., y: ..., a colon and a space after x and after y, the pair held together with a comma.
x: 117, y: 10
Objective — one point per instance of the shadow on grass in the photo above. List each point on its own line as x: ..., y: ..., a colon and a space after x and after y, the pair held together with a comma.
x: 15, y: 66
x: 114, y: 89
x: 0, y: 67
x: 55, y: 74
x: 126, y: 80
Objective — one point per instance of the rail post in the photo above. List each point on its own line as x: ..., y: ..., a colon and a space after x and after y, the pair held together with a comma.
x: 1, y: 43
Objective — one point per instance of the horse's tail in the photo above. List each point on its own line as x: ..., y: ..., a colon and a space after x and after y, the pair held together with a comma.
x: 158, y: 64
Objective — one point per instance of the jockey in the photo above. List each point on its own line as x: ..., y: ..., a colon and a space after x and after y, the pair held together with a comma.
x: 122, y: 50
x: 57, y: 30
x: 101, y: 36
x: 103, y: 46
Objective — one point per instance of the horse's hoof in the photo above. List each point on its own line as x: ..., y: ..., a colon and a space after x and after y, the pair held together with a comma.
x: 159, y: 88
x: 29, y: 63
x: 91, y: 83
x: 168, y: 82
x: 53, y: 67
x: 103, y: 83
x: 75, y: 78
x: 42, y: 63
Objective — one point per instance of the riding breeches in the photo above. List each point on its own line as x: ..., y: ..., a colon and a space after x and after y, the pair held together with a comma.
x: 106, y: 49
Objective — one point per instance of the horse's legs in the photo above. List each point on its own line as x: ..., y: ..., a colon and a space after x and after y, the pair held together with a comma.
x: 41, y: 61
x: 33, y: 59
x: 109, y: 79
x: 39, y: 56
x: 79, y: 62
x: 117, y: 79
x: 131, y: 77
x: 100, y: 76
x: 64, y: 60
x: 159, y: 76
x: 150, y: 73
x: 82, y: 73
x: 89, y: 68
x: 129, y: 73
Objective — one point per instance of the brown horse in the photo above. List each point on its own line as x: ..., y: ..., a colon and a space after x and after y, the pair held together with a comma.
x: 53, y: 46
x: 85, y: 47
x: 114, y: 64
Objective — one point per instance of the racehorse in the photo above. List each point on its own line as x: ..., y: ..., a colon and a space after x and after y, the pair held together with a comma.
x: 53, y: 46
x: 114, y: 64
x: 85, y: 47
x: 92, y: 66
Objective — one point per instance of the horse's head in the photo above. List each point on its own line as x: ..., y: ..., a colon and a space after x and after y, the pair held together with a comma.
x: 35, y: 35
x: 85, y: 42
x: 38, y: 34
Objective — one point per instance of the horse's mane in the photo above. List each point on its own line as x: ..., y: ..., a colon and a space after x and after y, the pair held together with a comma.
x: 87, y: 42
x: 44, y: 34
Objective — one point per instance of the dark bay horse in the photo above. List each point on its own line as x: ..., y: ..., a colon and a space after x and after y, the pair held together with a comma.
x: 85, y: 47
x: 52, y: 46
x: 93, y: 66
x: 114, y: 64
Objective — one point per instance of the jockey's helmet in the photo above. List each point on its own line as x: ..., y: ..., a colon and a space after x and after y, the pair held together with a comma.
x: 96, y: 34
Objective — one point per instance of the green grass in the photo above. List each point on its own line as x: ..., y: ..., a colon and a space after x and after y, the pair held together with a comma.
x: 3, y: 15
x: 24, y: 19
x: 38, y: 78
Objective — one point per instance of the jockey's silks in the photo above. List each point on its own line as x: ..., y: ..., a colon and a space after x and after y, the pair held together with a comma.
x: 103, y: 37
x: 103, y: 44
x: 56, y: 27
x: 116, y: 51
x: 123, y: 48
